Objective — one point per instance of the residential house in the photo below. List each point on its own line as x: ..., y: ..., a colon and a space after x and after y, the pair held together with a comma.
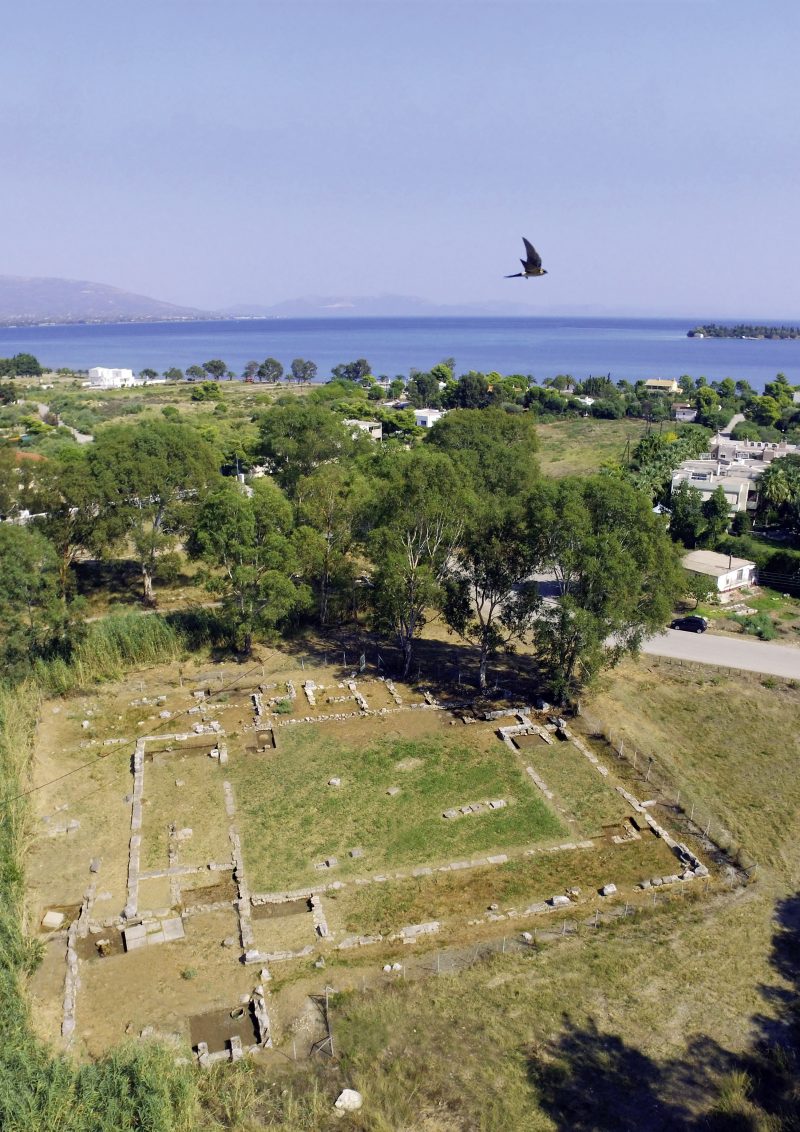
x: 426, y: 418
x: 373, y: 429
x: 730, y: 573
x: 662, y: 385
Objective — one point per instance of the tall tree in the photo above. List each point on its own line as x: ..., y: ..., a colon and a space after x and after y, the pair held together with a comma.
x: 616, y: 573
x: 687, y: 522
x: 487, y: 601
x: 247, y: 543
x: 152, y: 469
x: 270, y: 370
x: 717, y: 515
x: 303, y: 371
x: 496, y: 450
x: 70, y: 498
x: 331, y: 502
x: 298, y: 436
x: 215, y: 368
x: 418, y: 527
x: 36, y: 623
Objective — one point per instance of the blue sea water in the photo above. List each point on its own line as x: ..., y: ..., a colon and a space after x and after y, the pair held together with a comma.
x: 543, y: 347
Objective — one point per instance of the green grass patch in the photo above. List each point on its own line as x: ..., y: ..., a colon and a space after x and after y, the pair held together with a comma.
x: 291, y: 818
x: 581, y: 447
x: 586, y: 795
x: 520, y: 882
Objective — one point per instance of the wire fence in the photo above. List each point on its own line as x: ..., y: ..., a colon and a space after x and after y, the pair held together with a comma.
x: 712, y: 670
x: 652, y: 782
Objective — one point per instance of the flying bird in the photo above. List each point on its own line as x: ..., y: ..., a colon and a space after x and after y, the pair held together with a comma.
x: 531, y: 265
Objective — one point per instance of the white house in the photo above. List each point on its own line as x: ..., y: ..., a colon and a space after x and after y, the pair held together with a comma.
x: 103, y: 378
x: 426, y: 418
x: 730, y: 573
x: 373, y: 429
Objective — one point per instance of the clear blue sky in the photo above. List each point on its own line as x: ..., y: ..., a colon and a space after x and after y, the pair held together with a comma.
x: 211, y: 152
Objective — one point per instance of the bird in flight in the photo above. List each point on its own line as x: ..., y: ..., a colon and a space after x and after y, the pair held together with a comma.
x: 531, y: 265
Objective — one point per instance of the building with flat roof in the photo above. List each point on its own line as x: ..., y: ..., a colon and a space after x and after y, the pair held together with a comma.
x: 105, y: 378
x: 662, y: 385
x: 730, y: 573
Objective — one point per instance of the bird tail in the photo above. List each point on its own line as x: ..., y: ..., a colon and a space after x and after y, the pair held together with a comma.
x: 516, y: 275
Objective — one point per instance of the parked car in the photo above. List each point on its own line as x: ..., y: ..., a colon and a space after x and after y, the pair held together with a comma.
x: 693, y: 624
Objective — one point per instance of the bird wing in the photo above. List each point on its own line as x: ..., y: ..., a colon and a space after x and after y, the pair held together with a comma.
x: 533, y: 258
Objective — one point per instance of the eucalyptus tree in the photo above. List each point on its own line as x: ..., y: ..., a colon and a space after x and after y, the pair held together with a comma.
x: 331, y: 505
x: 270, y: 370
x: 246, y: 542
x: 616, y: 573
x: 149, y: 472
x: 418, y: 524
x: 489, y: 600
x: 70, y: 498
x: 36, y: 623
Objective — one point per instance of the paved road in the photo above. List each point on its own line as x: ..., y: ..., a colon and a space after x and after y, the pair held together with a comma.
x: 747, y: 654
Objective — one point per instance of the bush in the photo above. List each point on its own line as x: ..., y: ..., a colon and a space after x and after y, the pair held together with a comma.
x: 758, y: 624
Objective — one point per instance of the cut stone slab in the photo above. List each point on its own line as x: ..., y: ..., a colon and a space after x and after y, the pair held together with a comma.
x: 393, y: 791
x: 356, y: 853
x: 559, y: 901
x: 608, y: 890
x: 173, y: 929
x: 52, y: 920
x: 334, y: 782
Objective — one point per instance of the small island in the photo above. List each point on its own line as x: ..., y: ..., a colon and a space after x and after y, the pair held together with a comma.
x: 714, y: 330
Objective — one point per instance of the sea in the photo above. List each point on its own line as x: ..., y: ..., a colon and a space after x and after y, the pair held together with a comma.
x: 632, y: 349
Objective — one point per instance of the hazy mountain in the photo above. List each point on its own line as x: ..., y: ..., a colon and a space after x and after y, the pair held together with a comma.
x: 375, y: 306
x: 28, y: 300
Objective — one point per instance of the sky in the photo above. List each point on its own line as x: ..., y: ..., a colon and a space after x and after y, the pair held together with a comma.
x: 215, y: 152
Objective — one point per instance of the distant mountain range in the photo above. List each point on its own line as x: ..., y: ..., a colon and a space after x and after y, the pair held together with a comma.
x: 32, y: 301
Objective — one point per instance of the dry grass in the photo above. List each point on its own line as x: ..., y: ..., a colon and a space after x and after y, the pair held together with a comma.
x: 581, y: 447
x: 731, y: 743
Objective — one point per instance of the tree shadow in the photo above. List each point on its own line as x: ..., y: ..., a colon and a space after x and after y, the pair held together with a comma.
x: 588, y: 1080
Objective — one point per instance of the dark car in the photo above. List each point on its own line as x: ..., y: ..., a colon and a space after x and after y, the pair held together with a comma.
x: 694, y: 624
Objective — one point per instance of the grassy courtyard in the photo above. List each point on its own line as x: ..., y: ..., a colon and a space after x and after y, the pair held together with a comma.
x: 291, y: 818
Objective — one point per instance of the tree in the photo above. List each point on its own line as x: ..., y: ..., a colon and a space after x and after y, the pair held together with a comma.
x: 397, y: 388
x: 247, y: 542
x: 207, y: 391
x: 687, y: 522
x: 358, y: 372
x: 35, y: 621
x: 486, y: 599
x: 496, y: 450
x: 216, y: 368
x: 330, y: 503
x: 303, y: 370
x: 767, y: 411
x: 195, y: 373
x: 699, y: 586
x: 418, y: 526
x: 173, y: 374
x: 717, y: 515
x: 299, y: 436
x: 422, y: 391
x: 70, y: 497
x: 470, y: 392
x: 270, y: 370
x: 150, y: 470
x: 616, y: 574
x: 779, y: 491
x: 250, y: 371
x: 25, y: 365
x: 148, y: 374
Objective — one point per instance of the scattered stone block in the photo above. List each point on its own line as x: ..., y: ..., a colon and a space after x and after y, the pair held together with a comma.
x: 393, y: 791
x: 94, y: 865
x: 356, y: 853
x: 608, y: 890
x: 559, y: 901
x: 334, y: 782
x: 51, y: 921
x: 450, y: 814
x: 349, y: 1100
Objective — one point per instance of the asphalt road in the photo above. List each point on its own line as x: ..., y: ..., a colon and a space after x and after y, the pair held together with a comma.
x: 730, y: 652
